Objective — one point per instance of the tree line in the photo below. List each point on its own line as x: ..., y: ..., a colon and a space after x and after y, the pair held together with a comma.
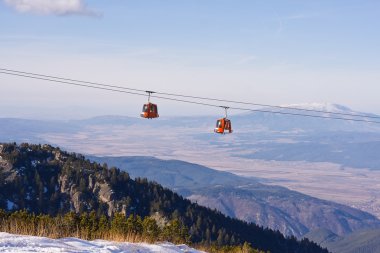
x: 89, y: 226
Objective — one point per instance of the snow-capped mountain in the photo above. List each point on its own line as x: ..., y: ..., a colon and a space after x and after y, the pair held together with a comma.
x: 325, y: 107
x: 308, y: 117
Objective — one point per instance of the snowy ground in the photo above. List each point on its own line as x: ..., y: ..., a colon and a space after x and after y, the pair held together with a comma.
x: 22, y: 244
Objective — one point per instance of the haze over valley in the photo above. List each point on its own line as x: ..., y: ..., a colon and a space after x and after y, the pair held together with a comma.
x: 329, y: 159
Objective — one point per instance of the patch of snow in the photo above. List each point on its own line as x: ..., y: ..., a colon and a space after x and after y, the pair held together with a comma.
x: 34, y: 163
x: 23, y: 244
x: 10, y: 205
x: 327, y: 107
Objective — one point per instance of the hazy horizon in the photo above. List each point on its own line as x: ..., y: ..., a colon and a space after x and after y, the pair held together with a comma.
x: 82, y: 112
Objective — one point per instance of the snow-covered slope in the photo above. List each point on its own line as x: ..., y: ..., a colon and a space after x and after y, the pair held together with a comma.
x: 22, y: 244
x: 325, y: 107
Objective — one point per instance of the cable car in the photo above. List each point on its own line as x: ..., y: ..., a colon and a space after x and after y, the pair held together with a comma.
x: 149, y: 110
x: 223, y: 125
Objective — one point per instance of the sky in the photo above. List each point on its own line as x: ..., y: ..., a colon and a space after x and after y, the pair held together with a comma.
x: 271, y: 52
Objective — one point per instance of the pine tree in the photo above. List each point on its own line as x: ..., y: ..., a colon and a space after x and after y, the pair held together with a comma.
x: 118, y: 224
x: 151, y: 230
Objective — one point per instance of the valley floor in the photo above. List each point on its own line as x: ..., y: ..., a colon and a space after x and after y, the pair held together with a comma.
x: 23, y: 244
x: 358, y: 188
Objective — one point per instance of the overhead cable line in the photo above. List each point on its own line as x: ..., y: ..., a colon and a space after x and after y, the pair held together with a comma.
x: 193, y: 97
x: 71, y: 83
x: 108, y: 89
x: 115, y: 89
x: 71, y: 80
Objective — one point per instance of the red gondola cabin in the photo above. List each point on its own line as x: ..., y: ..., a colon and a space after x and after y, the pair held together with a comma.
x: 149, y: 111
x: 223, y: 126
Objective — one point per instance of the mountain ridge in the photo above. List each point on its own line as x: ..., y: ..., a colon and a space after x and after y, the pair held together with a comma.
x: 44, y: 179
x: 276, y: 207
x: 326, y: 107
x: 358, y: 242
x: 306, y: 151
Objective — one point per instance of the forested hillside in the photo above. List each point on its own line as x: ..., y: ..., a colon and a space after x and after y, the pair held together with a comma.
x: 365, y: 241
x: 290, y: 212
x: 46, y: 180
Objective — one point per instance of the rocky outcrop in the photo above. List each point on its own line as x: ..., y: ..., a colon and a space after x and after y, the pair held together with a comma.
x: 106, y: 195
x: 77, y: 189
x: 8, y: 174
x: 102, y: 191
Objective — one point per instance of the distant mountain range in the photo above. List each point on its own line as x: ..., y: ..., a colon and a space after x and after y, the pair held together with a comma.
x: 257, y: 135
x: 290, y: 144
x: 276, y: 207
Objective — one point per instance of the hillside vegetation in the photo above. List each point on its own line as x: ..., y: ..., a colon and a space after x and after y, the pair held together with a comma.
x: 290, y: 212
x: 46, y: 180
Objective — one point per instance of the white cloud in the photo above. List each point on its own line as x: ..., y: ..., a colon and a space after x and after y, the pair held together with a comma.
x: 51, y: 7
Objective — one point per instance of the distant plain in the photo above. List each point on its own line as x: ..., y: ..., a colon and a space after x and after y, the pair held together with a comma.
x: 328, y: 159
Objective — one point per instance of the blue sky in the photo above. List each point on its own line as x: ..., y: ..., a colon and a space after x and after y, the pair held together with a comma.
x: 276, y: 52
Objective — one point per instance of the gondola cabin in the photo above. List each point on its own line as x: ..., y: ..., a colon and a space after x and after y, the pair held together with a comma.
x: 223, y: 126
x: 149, y: 111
